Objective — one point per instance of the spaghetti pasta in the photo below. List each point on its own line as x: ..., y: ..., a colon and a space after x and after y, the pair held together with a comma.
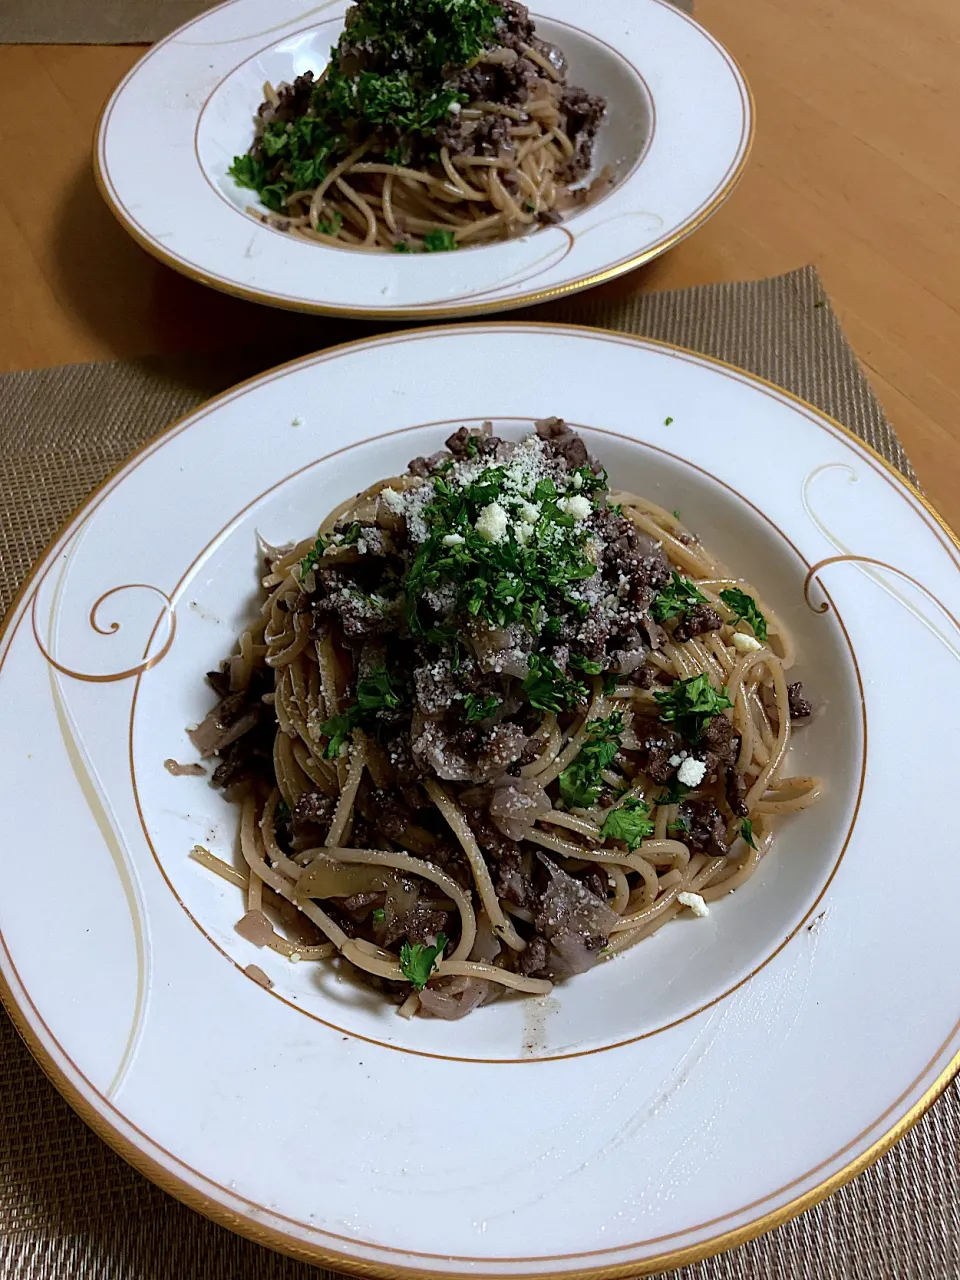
x: 433, y: 127
x: 497, y: 723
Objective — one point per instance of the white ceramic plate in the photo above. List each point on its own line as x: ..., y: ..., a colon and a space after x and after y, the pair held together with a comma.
x: 677, y: 134
x: 695, y: 1091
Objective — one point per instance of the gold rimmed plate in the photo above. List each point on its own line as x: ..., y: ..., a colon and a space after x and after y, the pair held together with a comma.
x: 623, y: 1124
x: 674, y: 140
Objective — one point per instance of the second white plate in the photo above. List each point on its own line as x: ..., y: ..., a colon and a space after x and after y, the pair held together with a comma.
x: 678, y: 132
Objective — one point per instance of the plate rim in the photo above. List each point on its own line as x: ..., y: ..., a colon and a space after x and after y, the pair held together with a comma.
x: 310, y: 307
x: 273, y: 1237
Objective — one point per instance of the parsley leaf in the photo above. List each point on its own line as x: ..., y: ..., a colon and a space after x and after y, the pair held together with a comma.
x: 375, y: 692
x: 746, y: 830
x: 283, y: 812
x: 674, y: 793
x: 629, y: 822
x: 668, y: 422
x: 691, y: 704
x: 440, y: 241
x: 580, y: 783
x: 745, y: 607
x: 418, y: 961
x: 479, y: 708
x: 338, y: 729
x: 677, y: 597
x: 680, y: 823
x: 379, y: 915
x: 329, y: 226
x: 313, y: 556
x: 586, y: 665
x: 401, y: 246
x: 548, y: 688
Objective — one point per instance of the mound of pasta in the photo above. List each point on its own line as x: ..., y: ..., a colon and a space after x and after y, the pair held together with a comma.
x: 495, y: 723
x: 436, y: 124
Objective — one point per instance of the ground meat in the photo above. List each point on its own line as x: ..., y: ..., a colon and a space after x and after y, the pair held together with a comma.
x: 511, y: 881
x: 419, y: 924
x: 800, y: 707
x: 384, y: 812
x: 583, y: 112
x: 644, y: 677
x: 706, y: 830
x: 657, y: 746
x: 516, y: 26
x: 424, y: 467
x: 310, y: 819
x: 563, y: 442
x: 464, y: 444
x: 491, y: 133
x: 633, y: 556
x: 359, y: 615
x: 735, y: 790
x: 435, y: 688
x: 695, y: 621
x: 719, y: 745
x: 295, y: 100
x: 534, y: 958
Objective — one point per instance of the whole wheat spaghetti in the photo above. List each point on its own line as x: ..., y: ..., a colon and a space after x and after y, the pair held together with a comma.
x: 496, y: 723
x: 437, y: 124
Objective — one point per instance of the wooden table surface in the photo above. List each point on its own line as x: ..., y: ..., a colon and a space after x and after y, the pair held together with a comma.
x: 855, y: 168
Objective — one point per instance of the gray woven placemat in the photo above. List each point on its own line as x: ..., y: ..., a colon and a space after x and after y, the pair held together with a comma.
x: 113, y: 21
x: 72, y: 1210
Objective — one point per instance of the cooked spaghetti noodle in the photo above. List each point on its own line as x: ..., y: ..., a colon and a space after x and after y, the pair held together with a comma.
x: 429, y: 130
x: 497, y: 723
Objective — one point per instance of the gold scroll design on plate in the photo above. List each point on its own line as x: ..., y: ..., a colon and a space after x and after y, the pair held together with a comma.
x: 111, y: 629
x: 870, y: 565
x: 93, y: 794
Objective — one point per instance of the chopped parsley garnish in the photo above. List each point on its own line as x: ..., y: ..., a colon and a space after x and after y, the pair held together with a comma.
x: 479, y: 708
x: 676, y: 598
x: 338, y: 729
x: 330, y: 226
x: 283, y: 811
x: 676, y: 513
x: 746, y: 830
x: 401, y: 246
x: 520, y: 577
x: 375, y: 692
x: 440, y: 241
x: 680, y: 823
x: 586, y: 665
x: 379, y: 915
x: 745, y: 607
x: 416, y: 44
x: 610, y: 681
x: 418, y: 961
x: 629, y: 822
x: 581, y: 784
x: 674, y: 794
x: 668, y: 422
x: 313, y: 556
x: 548, y: 688
x: 691, y: 704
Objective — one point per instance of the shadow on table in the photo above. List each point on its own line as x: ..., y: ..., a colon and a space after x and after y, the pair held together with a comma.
x: 136, y: 305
